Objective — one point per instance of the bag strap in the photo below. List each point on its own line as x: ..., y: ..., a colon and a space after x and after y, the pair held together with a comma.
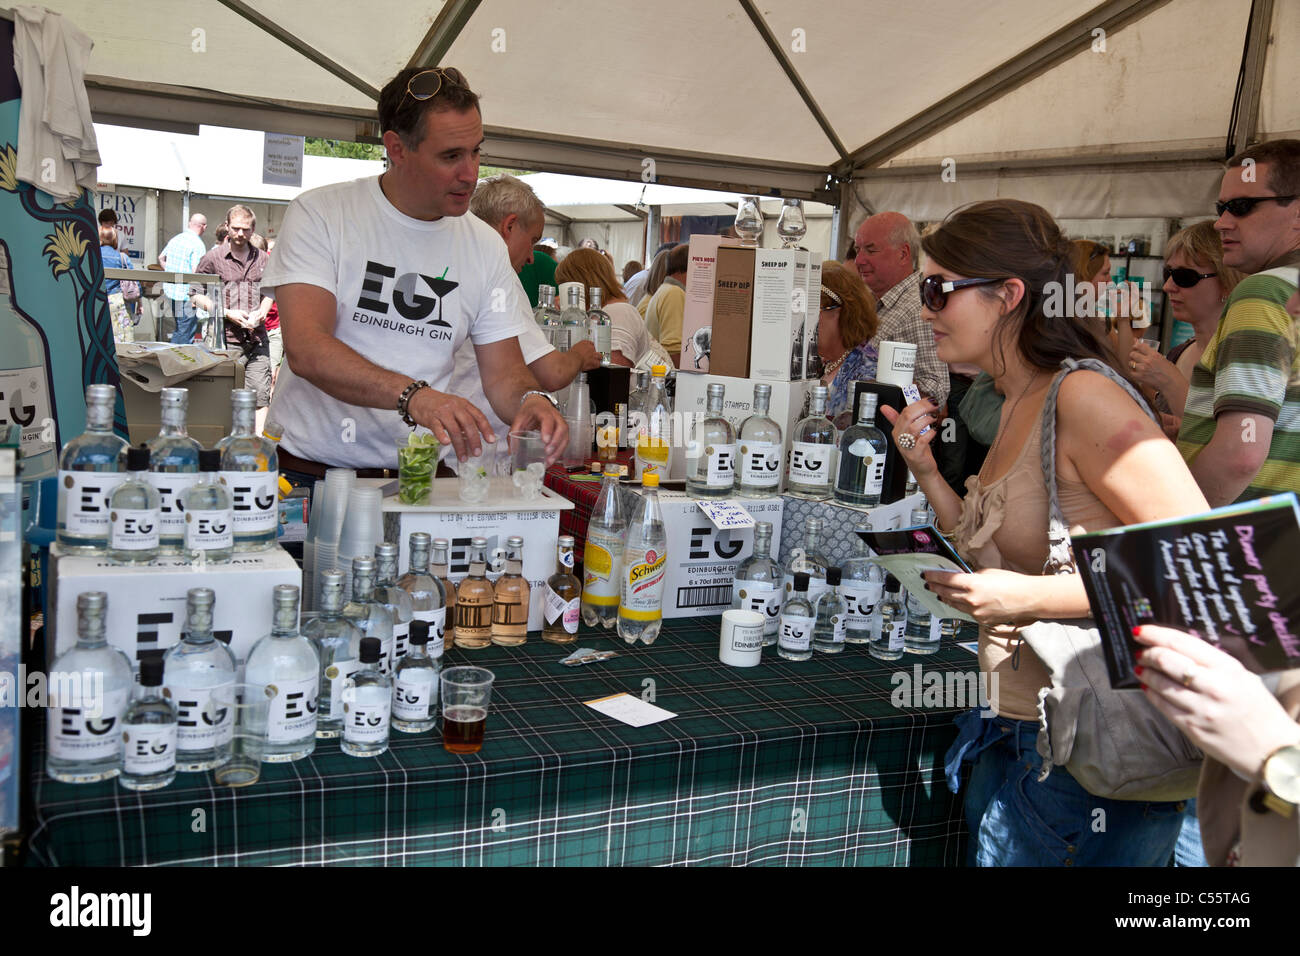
x: 1059, y: 557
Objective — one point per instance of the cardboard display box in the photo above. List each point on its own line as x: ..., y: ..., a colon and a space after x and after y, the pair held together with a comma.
x: 733, y: 312
x: 778, y: 338
x: 701, y: 274
x: 208, y: 417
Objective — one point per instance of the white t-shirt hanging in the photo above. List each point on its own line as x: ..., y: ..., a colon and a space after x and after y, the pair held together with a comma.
x: 408, y: 294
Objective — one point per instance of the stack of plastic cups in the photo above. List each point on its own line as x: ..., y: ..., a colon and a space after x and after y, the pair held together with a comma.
x: 363, y: 528
x: 577, y: 415
x: 309, y: 547
x: 338, y: 485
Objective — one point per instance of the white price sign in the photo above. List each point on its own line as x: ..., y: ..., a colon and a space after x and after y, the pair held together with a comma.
x: 726, y: 515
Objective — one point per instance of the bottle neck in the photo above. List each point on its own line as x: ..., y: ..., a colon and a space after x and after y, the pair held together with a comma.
x: 363, y: 588
x: 198, y: 626
x: 818, y: 408
x: 715, y: 406
x: 285, y: 622
x: 762, y: 404
x: 478, y: 564
x: 99, y: 417
x: 867, y: 414
x: 419, y: 561
x: 812, y: 541
x: 386, y: 575
x: 514, y: 565
x: 173, y: 423
x: 763, y: 545
x: 440, y: 562
x: 243, y: 421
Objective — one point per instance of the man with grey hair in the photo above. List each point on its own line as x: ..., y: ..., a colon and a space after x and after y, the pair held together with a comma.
x: 182, y: 254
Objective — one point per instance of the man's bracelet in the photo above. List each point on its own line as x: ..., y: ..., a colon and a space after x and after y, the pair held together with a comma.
x: 538, y: 391
x: 404, y: 400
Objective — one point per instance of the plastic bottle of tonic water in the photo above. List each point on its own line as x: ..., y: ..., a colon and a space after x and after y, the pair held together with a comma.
x: 645, y: 563
x: 602, y: 559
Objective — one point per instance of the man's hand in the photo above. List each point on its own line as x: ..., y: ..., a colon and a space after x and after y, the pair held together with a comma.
x: 453, y: 421
x: 539, y: 414
x: 586, y: 351
x: 240, y: 318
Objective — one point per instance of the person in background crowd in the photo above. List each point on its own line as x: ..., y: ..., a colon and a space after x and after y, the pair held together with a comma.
x: 663, y: 316
x: 850, y: 257
x: 539, y: 270
x: 654, y: 278
x: 1198, y: 284
x: 1090, y: 264
x: 221, y: 233
x: 1241, y: 423
x: 630, y: 268
x: 629, y: 337
x: 274, y: 340
x: 589, y: 243
x: 845, y: 325
x: 122, y: 313
x: 182, y: 254
x: 637, y: 287
x: 987, y: 266
x: 108, y: 217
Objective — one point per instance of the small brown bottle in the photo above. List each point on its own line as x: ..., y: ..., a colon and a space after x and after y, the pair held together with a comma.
x: 562, y: 603
x: 510, y: 609
x: 474, y: 599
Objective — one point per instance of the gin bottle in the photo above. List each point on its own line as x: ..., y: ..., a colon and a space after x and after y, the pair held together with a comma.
x: 829, y: 625
x: 810, y: 559
x: 209, y: 522
x: 861, y: 587
x: 474, y: 599
x: 89, y: 689
x: 429, y: 595
x: 396, y: 599
x: 26, y: 388
x: 415, y: 683
x: 758, y: 585
x: 654, y: 440
x: 250, y: 468
x: 511, y: 598
x: 573, y: 316
x: 922, y: 634
x: 133, y: 513
x: 546, y: 314
x: 364, y: 610
x: 89, y: 469
x: 645, y: 566
x: 561, y: 611
x: 863, y: 452
x: 812, y: 452
x: 600, y: 325
x: 794, y: 642
x: 338, y: 646
x: 888, y: 645
x: 368, y: 705
x: 149, y: 732
x: 173, y: 467
x: 602, y: 555
x: 711, y: 451
x: 194, y: 670
x: 286, y: 667
x: 759, y: 448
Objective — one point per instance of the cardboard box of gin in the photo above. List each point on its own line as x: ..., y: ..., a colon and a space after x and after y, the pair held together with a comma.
x: 697, y: 319
x: 778, y: 337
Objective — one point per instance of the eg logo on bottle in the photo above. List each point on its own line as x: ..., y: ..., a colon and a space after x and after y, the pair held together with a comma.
x: 19, y: 414
x: 758, y: 601
x: 132, y: 526
x: 759, y: 460
x: 853, y: 608
x: 800, y: 461
x: 245, y: 499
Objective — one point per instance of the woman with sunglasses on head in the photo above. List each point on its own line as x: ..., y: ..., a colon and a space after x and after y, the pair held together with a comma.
x: 988, y: 269
x: 629, y: 338
x: 845, y: 324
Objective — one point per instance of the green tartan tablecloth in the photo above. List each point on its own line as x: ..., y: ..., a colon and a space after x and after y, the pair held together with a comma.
x: 805, y: 763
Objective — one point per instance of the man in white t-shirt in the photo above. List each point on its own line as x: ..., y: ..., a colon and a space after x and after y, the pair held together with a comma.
x: 380, y: 281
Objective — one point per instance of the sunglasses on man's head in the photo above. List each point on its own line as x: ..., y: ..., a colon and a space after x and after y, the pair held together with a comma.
x: 426, y: 84
x: 1185, y: 278
x: 935, y: 289
x: 1245, y: 205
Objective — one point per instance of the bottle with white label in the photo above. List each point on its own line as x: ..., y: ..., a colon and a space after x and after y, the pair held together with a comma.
x: 396, y: 599
x: 861, y: 586
x: 133, y: 513
x: 830, y: 622
x: 415, y: 682
x: 600, y: 325
x: 561, y: 603
x: 285, y: 666
x: 794, y: 642
x: 511, y: 599
x: 440, y: 571
x: 812, y: 452
x: 758, y: 449
x: 371, y: 618
x: 367, y: 705
x: 808, y: 558
x: 864, y: 451
x: 602, y: 555
x: 758, y: 584
x: 26, y: 387
x: 338, y: 645
x: 89, y: 688
x: 645, y: 566
x: 209, y: 523
x: 193, y: 671
x: 90, y: 467
x: 250, y: 468
x: 711, y: 451
x: 149, y: 732
x: 922, y: 634
x: 428, y: 594
x: 173, y: 468
x: 654, y: 425
x: 888, y: 646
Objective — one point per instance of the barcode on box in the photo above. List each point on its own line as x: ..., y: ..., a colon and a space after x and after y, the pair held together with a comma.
x: 717, y: 596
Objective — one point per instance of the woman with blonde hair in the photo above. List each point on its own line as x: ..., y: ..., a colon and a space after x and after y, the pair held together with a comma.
x: 654, y: 279
x: 845, y: 324
x: 629, y: 337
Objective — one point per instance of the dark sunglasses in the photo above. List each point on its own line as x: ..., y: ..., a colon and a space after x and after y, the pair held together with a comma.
x: 425, y: 85
x: 1245, y: 205
x: 1185, y: 278
x: 934, y: 290
x: 1101, y: 252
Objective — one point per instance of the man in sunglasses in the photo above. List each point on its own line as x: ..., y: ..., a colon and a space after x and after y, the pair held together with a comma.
x: 381, y: 280
x: 1241, y: 429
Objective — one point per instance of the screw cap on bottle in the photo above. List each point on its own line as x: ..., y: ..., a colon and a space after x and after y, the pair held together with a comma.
x: 285, y: 596
x: 444, y: 543
x: 833, y: 576
x: 92, y: 601
x: 420, y: 541
x: 419, y: 633
x: 812, y: 524
x: 762, y: 390
x: 174, y: 397
x: 717, y: 390
x: 209, y: 459
x: 96, y: 394
x: 243, y: 398
x: 370, y: 650
x: 363, y: 565
x: 801, y: 580
x: 151, y: 672
x: 137, y: 458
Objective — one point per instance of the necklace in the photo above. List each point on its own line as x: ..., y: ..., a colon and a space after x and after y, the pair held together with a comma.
x: 1012, y: 414
x: 829, y: 370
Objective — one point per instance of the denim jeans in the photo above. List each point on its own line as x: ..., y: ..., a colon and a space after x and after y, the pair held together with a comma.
x: 187, y: 321
x: 1190, y: 851
x: 1015, y: 820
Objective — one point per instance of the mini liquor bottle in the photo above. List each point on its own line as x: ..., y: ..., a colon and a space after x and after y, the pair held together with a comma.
x: 367, y: 705
x: 133, y: 513
x: 828, y: 628
x: 602, y: 556
x: 440, y: 571
x: 371, y: 618
x: 511, y: 599
x: 795, y: 640
x: 864, y: 450
x: 758, y: 448
x: 149, y: 733
x: 415, y: 683
x: 89, y: 469
x: 250, y: 468
x: 173, y: 467
x: 338, y: 645
x: 711, y: 451
x: 208, y: 520
x: 474, y: 600
x: 286, y: 667
x: 194, y: 670
x: 922, y: 634
x: 428, y: 594
x: 561, y: 607
x: 888, y: 646
x: 396, y: 599
x: 758, y: 584
x: 861, y: 587
x: 812, y: 452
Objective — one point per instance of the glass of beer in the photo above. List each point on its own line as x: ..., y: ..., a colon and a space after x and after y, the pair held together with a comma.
x: 466, y: 692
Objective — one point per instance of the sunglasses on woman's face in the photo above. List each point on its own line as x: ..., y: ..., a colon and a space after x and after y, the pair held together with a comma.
x: 1185, y: 278
x: 935, y: 289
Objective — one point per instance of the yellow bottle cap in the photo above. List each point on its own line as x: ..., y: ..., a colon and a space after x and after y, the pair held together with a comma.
x: 650, y: 479
x: 659, y: 370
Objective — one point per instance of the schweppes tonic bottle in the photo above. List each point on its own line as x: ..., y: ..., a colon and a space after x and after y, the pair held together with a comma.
x: 645, y: 562
x: 602, y: 556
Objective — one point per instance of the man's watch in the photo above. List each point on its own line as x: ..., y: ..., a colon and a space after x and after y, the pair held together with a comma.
x: 538, y: 391
x: 1281, y: 778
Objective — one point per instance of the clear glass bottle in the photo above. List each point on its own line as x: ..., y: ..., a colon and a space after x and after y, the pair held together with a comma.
x: 888, y: 645
x: 922, y: 634
x: 440, y: 570
x: 861, y: 586
x: 602, y: 555
x: 149, y: 731
x: 809, y: 558
x: 250, y: 469
x: 638, y: 385
x: 561, y: 605
x: 364, y: 610
x: 474, y: 599
x: 794, y: 642
x: 90, y: 467
x: 863, y: 453
x: 812, y: 452
x: 194, y: 669
x: 600, y: 325
x: 368, y: 705
x: 511, y: 598
x: 428, y: 594
x: 209, y: 521
x: 759, y: 448
x: 133, y: 513
x: 90, y: 686
x: 173, y: 467
x: 26, y: 385
x: 396, y: 599
x: 415, y: 683
x: 286, y: 661
x: 830, y: 621
x: 546, y: 314
x: 711, y: 451
x: 654, y: 440
x: 645, y: 565
x: 573, y: 316
x: 758, y: 585
x: 338, y: 645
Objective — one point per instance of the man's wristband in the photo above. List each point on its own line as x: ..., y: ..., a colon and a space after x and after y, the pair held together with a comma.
x: 537, y: 391
x: 404, y: 400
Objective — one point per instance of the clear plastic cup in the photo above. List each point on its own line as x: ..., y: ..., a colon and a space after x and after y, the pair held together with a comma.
x: 466, y: 694
x: 528, y: 463
x: 474, y: 477
x: 250, y: 710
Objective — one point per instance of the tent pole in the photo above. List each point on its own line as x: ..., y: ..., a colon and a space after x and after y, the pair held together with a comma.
x: 1245, y: 122
x: 843, y: 212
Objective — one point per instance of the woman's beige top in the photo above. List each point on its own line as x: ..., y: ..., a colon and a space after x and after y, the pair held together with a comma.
x: 1004, y: 525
